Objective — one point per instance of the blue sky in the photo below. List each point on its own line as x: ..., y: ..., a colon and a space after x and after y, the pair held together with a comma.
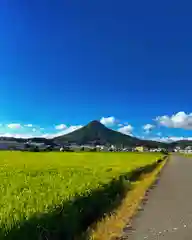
x: 70, y: 62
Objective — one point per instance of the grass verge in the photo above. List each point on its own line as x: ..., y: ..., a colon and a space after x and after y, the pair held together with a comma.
x: 188, y: 155
x: 110, y: 227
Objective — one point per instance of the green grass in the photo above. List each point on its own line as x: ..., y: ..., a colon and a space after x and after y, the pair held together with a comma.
x: 187, y: 155
x: 36, y: 186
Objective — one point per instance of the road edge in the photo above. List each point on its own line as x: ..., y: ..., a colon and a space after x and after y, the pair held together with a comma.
x: 112, y: 227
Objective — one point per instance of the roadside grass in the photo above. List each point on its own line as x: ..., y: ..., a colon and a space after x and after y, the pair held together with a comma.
x: 58, y: 195
x: 183, y: 154
x: 188, y: 155
x: 112, y: 226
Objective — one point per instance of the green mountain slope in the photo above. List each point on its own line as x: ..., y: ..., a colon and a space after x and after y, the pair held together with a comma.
x: 97, y: 133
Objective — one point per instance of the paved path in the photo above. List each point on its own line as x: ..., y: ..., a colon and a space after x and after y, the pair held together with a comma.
x: 167, y: 215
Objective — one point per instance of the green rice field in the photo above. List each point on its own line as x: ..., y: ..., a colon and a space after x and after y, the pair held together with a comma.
x: 44, y: 195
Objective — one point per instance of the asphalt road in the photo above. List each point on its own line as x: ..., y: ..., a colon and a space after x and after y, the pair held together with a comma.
x: 167, y: 214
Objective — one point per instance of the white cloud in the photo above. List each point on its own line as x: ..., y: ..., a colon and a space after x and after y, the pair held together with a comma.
x: 126, y: 130
x: 159, y: 139
x: 64, y: 132
x: 109, y: 121
x: 120, y: 125
x: 37, y: 134
x: 29, y: 125
x: 148, y: 127
x: 17, y: 135
x: 179, y: 120
x: 14, y: 125
x: 71, y: 129
x: 61, y: 127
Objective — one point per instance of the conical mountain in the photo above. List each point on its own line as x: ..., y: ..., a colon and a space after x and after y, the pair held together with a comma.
x: 96, y: 133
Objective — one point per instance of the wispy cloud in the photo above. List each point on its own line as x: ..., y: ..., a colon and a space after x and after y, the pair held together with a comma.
x: 63, y: 132
x: 14, y: 125
x: 170, y: 139
x: 61, y: 127
x: 17, y: 135
x: 148, y: 127
x: 22, y: 132
x: 28, y: 125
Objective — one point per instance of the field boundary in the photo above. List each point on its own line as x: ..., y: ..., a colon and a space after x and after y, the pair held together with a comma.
x: 187, y: 155
x: 74, y: 218
x: 112, y: 226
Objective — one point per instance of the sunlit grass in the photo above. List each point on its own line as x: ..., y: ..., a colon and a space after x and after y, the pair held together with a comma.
x: 189, y: 155
x: 31, y: 183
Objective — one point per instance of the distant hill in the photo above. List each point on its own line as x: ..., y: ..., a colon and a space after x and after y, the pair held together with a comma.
x: 24, y: 140
x: 181, y: 143
x: 96, y: 133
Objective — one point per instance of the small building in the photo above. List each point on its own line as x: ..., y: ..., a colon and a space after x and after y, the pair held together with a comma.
x: 140, y: 149
x: 102, y: 148
x: 188, y: 149
x: 36, y: 146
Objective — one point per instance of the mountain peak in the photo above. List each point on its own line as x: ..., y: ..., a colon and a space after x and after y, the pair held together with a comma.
x: 97, y: 133
x: 95, y: 123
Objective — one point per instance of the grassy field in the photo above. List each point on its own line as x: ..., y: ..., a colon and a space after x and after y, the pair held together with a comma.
x: 51, y: 195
